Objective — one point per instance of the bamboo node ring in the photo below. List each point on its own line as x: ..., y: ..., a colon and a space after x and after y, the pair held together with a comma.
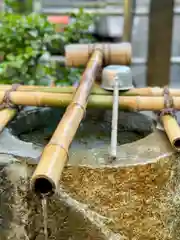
x: 82, y: 108
x: 6, y: 102
x: 168, y: 104
x: 54, y: 143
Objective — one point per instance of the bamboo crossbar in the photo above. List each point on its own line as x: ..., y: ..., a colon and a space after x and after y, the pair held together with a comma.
x: 41, y: 99
x: 96, y: 90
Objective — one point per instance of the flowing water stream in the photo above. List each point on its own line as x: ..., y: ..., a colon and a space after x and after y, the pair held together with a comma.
x: 45, y: 217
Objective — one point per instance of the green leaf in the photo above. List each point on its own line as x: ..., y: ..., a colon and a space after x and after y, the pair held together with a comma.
x: 33, y: 33
x: 10, y: 57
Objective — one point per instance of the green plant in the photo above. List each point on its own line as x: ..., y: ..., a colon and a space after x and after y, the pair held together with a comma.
x: 24, y: 42
x: 77, y: 31
x: 18, y: 6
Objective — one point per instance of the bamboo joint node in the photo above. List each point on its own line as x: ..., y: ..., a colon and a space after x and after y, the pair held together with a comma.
x: 53, y: 143
x: 81, y: 107
x: 6, y: 102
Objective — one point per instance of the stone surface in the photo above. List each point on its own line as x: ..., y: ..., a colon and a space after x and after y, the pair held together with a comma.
x: 21, y: 212
x: 136, y: 197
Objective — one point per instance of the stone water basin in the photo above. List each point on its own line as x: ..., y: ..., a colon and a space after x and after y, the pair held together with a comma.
x: 135, y: 197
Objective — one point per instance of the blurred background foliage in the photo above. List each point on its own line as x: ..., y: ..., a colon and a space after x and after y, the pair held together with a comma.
x: 28, y: 40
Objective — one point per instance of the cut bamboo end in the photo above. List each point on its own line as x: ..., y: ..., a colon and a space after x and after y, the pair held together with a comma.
x: 172, y: 130
x: 45, y: 179
x: 43, y: 186
x: 176, y: 144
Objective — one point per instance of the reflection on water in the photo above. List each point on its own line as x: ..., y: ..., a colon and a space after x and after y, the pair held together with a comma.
x: 95, y: 130
x: 92, y: 141
x: 84, y: 140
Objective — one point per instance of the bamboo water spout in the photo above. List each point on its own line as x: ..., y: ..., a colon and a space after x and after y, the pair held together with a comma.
x: 47, y: 174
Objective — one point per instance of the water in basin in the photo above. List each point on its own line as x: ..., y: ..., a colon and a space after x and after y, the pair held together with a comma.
x: 94, y: 131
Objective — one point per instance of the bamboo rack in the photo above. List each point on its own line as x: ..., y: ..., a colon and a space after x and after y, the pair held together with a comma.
x: 112, y: 53
x: 96, y: 90
x: 48, y: 172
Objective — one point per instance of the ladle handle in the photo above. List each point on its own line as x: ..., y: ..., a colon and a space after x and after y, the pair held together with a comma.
x: 114, y: 126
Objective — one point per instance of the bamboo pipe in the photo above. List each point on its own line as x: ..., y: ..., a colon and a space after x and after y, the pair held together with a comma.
x: 148, y: 91
x: 128, y: 20
x: 139, y: 103
x: 172, y: 130
x: 45, y: 179
x: 77, y: 55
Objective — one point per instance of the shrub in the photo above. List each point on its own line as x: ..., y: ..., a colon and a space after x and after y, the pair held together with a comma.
x: 24, y: 42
